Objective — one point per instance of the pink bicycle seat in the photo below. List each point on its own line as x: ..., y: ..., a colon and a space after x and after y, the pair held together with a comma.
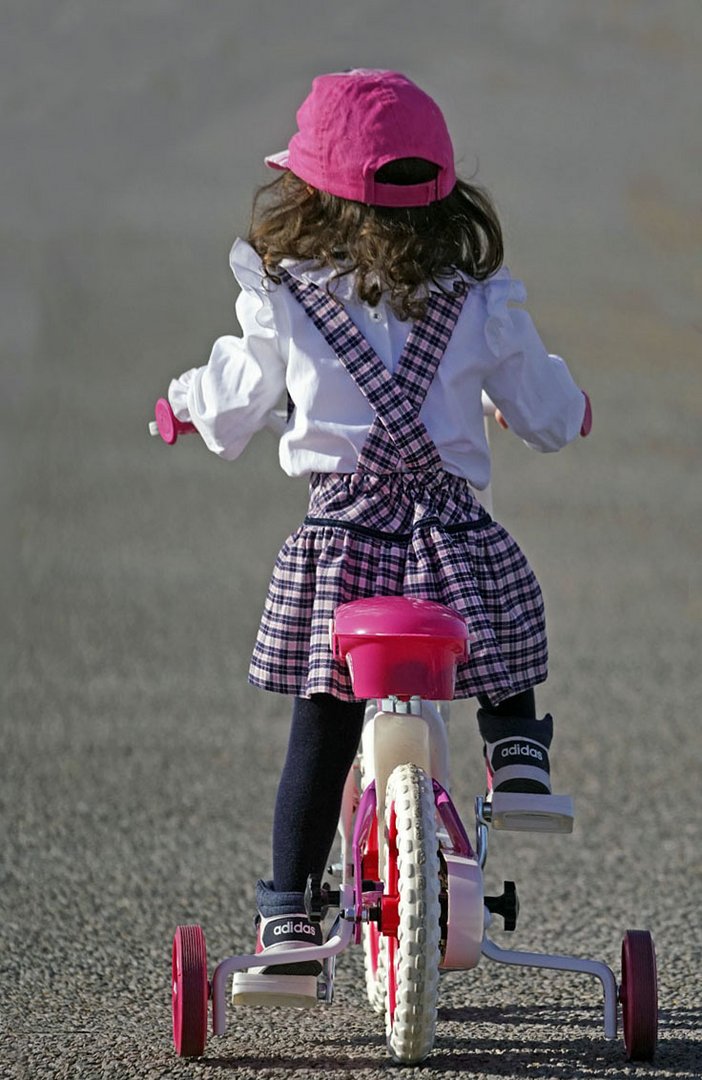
x: 400, y: 646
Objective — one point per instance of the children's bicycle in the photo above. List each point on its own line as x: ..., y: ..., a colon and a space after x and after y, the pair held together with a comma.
x: 409, y: 884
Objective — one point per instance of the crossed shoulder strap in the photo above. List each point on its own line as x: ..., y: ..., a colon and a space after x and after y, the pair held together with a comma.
x: 397, y: 434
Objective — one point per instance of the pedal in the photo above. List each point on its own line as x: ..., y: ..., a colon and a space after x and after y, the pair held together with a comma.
x: 517, y: 812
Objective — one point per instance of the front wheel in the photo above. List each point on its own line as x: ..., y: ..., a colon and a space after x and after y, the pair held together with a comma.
x: 412, y: 951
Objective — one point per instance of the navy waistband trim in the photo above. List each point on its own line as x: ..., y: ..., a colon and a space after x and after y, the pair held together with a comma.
x: 377, y: 534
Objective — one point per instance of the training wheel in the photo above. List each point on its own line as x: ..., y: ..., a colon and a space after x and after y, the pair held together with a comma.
x: 638, y: 995
x: 190, y: 991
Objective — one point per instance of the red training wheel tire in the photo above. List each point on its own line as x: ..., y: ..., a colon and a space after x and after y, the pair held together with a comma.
x: 638, y: 994
x: 190, y: 991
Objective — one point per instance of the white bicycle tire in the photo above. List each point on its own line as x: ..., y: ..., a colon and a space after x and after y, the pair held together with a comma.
x: 413, y: 972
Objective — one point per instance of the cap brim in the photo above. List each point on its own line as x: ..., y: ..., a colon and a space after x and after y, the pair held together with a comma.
x: 278, y: 161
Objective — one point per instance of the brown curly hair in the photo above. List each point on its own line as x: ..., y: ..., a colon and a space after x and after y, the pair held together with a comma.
x: 390, y: 251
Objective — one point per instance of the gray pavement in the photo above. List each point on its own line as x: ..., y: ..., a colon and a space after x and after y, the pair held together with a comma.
x: 138, y: 770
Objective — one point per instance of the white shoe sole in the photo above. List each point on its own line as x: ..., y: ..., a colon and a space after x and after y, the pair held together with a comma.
x: 518, y: 812
x: 288, y: 991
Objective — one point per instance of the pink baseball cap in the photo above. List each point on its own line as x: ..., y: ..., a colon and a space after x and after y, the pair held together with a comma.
x: 354, y: 122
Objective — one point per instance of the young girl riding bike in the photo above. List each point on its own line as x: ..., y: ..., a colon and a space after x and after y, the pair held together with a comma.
x: 373, y: 294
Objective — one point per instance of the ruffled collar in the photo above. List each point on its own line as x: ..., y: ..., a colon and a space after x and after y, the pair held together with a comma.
x: 343, y: 287
x: 248, y: 270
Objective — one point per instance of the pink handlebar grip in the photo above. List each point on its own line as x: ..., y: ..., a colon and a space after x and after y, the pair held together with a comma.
x: 587, y: 418
x: 169, y: 427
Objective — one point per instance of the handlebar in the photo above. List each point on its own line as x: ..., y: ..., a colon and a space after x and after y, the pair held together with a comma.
x: 587, y: 418
x: 489, y: 407
x: 167, y: 425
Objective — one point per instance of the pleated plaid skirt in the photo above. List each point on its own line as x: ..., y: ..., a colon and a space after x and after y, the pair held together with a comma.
x: 403, y: 533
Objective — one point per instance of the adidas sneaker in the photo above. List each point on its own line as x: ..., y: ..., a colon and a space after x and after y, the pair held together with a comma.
x: 289, y: 984
x: 516, y: 753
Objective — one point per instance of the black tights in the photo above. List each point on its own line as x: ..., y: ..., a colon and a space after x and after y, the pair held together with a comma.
x: 324, y: 737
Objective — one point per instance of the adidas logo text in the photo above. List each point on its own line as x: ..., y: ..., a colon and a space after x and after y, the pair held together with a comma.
x: 521, y: 750
x: 294, y: 928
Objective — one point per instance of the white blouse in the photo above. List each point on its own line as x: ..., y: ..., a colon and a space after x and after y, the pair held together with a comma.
x: 494, y: 347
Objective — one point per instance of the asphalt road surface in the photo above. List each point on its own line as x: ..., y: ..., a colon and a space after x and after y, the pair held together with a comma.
x: 138, y: 770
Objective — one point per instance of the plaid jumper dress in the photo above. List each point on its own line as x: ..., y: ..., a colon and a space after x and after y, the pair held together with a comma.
x: 399, y: 525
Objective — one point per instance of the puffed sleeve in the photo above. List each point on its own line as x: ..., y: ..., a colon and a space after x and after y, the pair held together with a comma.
x: 229, y: 398
x: 533, y: 389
